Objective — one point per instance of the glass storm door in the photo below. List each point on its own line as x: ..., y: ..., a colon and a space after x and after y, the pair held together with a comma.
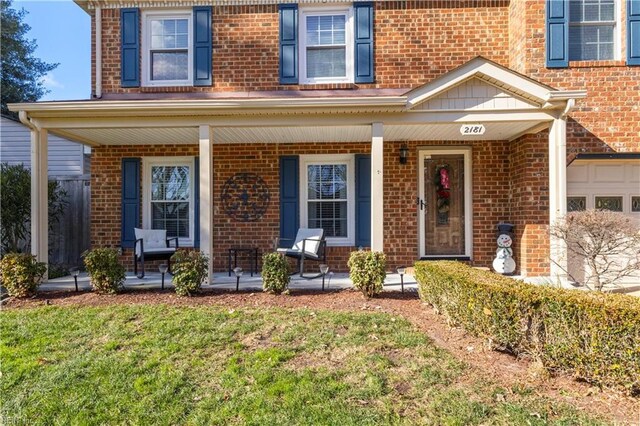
x: 443, y: 204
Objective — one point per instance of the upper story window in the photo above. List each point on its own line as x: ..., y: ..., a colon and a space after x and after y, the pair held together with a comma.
x: 166, y: 49
x: 326, y: 40
x: 592, y: 30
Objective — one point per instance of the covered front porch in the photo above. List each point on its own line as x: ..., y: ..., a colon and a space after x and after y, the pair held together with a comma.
x: 500, y: 117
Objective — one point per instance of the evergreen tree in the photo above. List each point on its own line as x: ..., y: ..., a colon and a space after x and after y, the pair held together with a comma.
x: 22, y: 73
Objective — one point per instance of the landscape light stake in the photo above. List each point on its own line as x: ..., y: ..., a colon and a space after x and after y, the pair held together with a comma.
x: 401, y: 271
x: 323, y: 270
x: 238, y: 271
x: 163, y: 270
x: 75, y: 272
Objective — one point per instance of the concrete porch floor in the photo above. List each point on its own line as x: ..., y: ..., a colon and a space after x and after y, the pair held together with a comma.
x: 221, y: 280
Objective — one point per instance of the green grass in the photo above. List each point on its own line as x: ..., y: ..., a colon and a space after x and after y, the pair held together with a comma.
x: 166, y: 365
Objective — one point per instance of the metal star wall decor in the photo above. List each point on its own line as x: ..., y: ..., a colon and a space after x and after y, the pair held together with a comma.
x: 245, y: 197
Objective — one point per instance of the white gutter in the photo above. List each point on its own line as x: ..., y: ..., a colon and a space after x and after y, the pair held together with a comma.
x: 98, y: 47
x: 173, y: 106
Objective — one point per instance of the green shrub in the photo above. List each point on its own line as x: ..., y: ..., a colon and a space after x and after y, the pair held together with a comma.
x: 21, y: 274
x: 593, y: 336
x: 367, y: 270
x: 105, y: 271
x: 190, y: 270
x: 275, y: 273
x: 15, y: 199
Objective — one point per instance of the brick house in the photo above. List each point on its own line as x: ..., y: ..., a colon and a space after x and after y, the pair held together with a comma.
x: 233, y: 122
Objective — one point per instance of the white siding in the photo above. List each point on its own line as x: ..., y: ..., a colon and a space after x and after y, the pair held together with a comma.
x: 65, y: 157
x: 475, y: 94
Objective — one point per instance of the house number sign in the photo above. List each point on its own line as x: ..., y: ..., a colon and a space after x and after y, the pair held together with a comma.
x: 472, y: 129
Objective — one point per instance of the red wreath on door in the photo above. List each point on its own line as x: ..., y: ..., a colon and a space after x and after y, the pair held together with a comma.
x: 443, y: 188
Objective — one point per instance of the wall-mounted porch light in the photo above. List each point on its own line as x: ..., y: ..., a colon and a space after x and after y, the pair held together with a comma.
x: 404, y: 153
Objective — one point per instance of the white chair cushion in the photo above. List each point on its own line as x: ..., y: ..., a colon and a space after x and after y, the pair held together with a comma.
x: 310, y: 247
x: 152, y: 239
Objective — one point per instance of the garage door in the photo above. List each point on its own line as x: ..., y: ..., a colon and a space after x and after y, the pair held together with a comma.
x: 604, y: 184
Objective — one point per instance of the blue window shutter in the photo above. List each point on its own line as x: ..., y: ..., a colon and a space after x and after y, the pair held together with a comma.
x: 363, y: 200
x: 633, y: 32
x: 288, y: 43
x: 196, y: 203
x: 130, y: 200
x: 202, y: 46
x: 364, y: 52
x: 130, y: 47
x: 289, y: 198
x: 557, y: 33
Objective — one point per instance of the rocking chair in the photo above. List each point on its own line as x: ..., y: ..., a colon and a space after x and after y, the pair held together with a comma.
x: 309, y: 244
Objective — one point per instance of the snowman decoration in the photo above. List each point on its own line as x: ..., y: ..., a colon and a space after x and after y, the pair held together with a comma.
x: 504, y: 263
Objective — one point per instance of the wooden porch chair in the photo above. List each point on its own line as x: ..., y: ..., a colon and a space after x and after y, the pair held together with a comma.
x: 309, y: 244
x: 152, y: 244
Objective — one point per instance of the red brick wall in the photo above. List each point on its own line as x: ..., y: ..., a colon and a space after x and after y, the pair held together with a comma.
x: 609, y: 118
x: 416, y: 41
x: 491, y: 202
x: 529, y: 202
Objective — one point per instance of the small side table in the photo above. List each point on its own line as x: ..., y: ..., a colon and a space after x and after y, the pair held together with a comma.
x: 253, y: 258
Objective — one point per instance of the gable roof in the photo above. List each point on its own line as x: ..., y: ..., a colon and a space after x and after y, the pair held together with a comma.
x: 494, y: 74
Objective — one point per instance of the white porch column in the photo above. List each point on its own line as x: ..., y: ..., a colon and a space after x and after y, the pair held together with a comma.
x: 377, y: 185
x: 558, y: 192
x: 39, y: 195
x: 206, y: 194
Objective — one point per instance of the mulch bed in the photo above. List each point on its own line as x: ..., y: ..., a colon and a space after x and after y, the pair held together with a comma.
x: 500, y: 368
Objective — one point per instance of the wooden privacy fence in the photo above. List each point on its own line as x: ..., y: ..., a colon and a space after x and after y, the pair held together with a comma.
x: 70, y: 236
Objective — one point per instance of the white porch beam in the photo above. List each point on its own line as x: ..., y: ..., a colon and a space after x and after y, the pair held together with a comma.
x: 283, y: 119
x: 206, y: 194
x: 39, y: 195
x: 558, y: 193
x: 377, y: 187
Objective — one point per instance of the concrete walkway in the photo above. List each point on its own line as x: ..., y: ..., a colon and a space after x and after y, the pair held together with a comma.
x: 333, y: 281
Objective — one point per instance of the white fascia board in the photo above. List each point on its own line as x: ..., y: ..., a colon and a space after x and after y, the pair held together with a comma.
x: 270, y: 106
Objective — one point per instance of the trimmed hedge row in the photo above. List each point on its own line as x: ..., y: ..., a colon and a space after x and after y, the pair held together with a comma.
x: 593, y: 336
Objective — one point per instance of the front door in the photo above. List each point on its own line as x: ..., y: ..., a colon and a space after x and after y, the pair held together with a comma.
x: 444, y: 196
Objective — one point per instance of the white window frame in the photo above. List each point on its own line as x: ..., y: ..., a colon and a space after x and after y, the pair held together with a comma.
x: 330, y: 159
x: 147, y: 164
x: 349, y: 43
x: 617, y: 33
x: 147, y: 16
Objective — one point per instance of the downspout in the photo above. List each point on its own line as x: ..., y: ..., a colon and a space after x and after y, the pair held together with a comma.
x: 24, y: 119
x: 98, y: 47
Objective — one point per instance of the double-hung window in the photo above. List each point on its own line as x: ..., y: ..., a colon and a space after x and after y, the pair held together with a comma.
x: 326, y: 46
x: 168, y: 196
x: 327, y: 194
x: 592, y: 30
x: 167, y: 52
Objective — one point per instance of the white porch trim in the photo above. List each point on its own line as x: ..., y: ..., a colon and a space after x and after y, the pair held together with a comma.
x: 377, y: 187
x: 39, y: 195
x: 558, y: 194
x: 206, y: 194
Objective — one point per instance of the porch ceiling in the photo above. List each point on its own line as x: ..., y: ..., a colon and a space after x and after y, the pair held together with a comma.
x: 293, y: 134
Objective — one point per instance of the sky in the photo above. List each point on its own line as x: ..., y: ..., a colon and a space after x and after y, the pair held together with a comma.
x: 63, y: 34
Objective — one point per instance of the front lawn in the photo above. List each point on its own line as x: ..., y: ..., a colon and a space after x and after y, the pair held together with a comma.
x: 211, y: 365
